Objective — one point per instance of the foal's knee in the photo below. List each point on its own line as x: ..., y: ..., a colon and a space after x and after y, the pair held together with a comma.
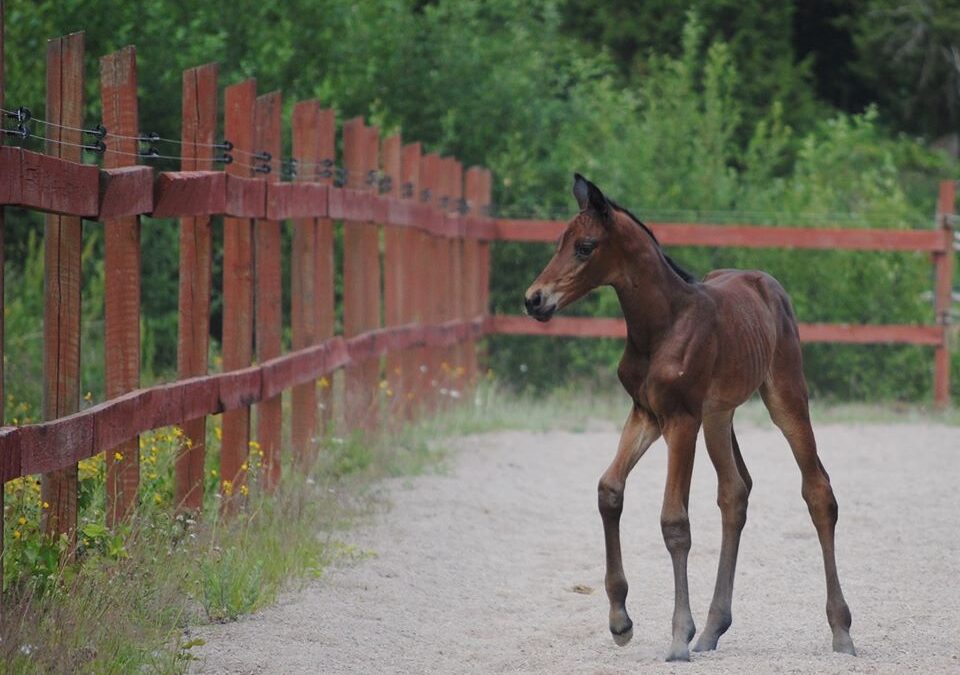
x: 676, y: 532
x: 821, y: 501
x: 732, y: 499
x: 610, y: 498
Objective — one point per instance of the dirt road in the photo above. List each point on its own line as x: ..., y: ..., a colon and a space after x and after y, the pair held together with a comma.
x: 496, y: 565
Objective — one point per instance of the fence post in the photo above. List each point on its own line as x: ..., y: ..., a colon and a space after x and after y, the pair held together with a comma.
x: 63, y: 244
x: 484, y: 199
x: 268, y: 303
x: 2, y: 306
x: 434, y: 280
x: 396, y: 293
x: 118, y: 82
x: 199, y: 110
x: 458, y: 283
x: 943, y: 263
x: 414, y: 248
x: 472, y: 184
x: 304, y: 291
x: 239, y: 101
x: 361, y: 278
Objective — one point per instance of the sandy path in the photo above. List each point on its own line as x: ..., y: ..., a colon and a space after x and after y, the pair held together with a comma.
x: 474, y: 568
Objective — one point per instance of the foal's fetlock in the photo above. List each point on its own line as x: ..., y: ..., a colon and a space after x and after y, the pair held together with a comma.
x: 717, y: 625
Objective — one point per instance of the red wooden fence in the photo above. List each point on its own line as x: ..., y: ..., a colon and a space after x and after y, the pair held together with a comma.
x: 420, y: 322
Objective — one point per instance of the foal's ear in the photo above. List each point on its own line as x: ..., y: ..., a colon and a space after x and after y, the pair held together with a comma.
x: 589, y: 196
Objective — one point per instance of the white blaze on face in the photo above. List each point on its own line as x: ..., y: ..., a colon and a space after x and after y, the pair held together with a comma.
x: 553, y: 299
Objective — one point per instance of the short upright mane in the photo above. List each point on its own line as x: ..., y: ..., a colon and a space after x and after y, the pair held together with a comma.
x: 682, y: 273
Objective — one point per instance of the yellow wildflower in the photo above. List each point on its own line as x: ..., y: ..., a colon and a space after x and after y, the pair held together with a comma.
x: 118, y: 456
x: 46, y: 505
x: 16, y: 534
x: 22, y: 520
x: 323, y: 383
x: 254, y: 445
x: 213, y: 473
x: 189, y: 442
x: 157, y: 498
x: 228, y: 487
x: 244, y: 467
x: 389, y: 392
x: 218, y: 432
x: 383, y: 384
x: 88, y: 397
x: 178, y: 432
x: 244, y: 490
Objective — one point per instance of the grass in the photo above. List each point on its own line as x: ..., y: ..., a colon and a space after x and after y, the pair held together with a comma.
x: 129, y: 601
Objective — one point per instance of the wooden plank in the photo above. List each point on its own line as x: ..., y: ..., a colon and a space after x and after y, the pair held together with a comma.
x: 471, y: 252
x: 59, y: 184
x: 3, y: 458
x: 433, y: 278
x: 361, y: 279
x: 395, y: 292
x: 296, y: 200
x: 184, y: 194
x: 943, y: 289
x: 269, y: 298
x: 199, y: 115
x: 458, y: 301
x: 246, y: 197
x: 411, y: 382
x: 125, y: 191
x: 64, y: 441
x: 746, y: 236
x: 239, y: 101
x: 118, y: 82
x: 63, y: 245
x: 303, y: 277
x: 809, y: 332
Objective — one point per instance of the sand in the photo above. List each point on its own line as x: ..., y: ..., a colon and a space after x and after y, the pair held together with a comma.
x: 496, y: 565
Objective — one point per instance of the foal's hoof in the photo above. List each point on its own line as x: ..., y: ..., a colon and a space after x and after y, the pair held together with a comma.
x: 622, y: 631
x: 842, y: 644
x: 679, y: 653
x: 705, y: 644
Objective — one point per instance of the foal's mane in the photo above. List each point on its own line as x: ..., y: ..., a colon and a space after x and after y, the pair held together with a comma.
x: 682, y: 273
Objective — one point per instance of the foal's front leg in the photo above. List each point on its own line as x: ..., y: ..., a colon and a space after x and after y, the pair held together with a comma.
x: 681, y: 436
x: 639, y: 432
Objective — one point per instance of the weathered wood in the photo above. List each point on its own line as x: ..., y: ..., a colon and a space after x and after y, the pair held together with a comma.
x: 199, y: 114
x: 184, y: 194
x: 943, y: 263
x: 746, y: 236
x: 412, y: 273
x: 126, y: 191
x: 361, y: 277
x: 434, y: 278
x: 303, y: 291
x: 2, y: 308
x: 269, y: 300
x: 246, y: 197
x: 296, y: 200
x: 118, y: 82
x: 396, y: 294
x: 239, y: 101
x: 809, y: 332
x: 471, y: 271
x: 63, y: 245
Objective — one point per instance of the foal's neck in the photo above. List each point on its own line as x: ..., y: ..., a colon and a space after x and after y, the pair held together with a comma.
x: 651, y: 294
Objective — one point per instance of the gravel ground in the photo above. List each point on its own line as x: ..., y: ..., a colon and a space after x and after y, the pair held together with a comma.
x: 496, y: 565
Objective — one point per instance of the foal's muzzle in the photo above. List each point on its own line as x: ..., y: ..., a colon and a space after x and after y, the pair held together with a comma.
x: 539, y: 307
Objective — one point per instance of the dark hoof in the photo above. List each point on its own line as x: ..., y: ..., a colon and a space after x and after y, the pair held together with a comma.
x: 622, y: 631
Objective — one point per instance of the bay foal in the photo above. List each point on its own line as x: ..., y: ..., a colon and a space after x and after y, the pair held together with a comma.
x: 694, y: 352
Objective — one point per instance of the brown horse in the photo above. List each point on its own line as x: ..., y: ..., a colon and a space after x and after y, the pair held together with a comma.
x: 694, y: 352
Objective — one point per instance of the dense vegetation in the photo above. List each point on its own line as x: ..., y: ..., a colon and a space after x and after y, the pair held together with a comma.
x: 807, y: 113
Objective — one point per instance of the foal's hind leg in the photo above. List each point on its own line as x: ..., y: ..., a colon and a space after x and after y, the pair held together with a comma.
x: 733, y: 488
x: 639, y: 432
x: 786, y: 399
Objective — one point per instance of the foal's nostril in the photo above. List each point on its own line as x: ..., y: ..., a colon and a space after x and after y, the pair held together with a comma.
x: 534, y: 301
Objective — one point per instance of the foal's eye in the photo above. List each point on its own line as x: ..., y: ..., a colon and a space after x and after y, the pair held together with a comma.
x: 584, y: 248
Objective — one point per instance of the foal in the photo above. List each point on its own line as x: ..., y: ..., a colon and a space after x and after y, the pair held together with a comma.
x: 694, y: 352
